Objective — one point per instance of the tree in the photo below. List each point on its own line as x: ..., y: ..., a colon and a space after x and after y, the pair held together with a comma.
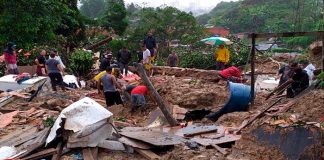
x: 115, y: 16
x: 72, y: 25
x: 34, y: 21
x: 93, y: 8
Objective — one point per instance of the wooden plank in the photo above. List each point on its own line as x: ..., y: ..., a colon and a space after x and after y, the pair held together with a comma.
x: 156, y: 138
x: 221, y: 140
x: 87, y: 154
x: 19, y: 139
x: 220, y: 149
x: 5, y: 139
x: 134, y: 143
x: 111, y: 145
x: 147, y: 154
x: 59, y: 148
x: 193, y: 130
x: 41, y: 154
x: 94, y: 152
x: 288, y: 34
x: 163, y: 106
x: 39, y: 142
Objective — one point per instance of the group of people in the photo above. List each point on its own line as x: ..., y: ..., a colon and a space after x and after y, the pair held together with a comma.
x: 51, y: 66
x: 299, y: 74
x: 107, y: 79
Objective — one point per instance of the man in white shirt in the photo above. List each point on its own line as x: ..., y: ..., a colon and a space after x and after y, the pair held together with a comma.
x: 309, y: 68
x: 147, y: 61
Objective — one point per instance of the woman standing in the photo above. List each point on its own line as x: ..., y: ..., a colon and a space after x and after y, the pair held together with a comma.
x: 10, y: 57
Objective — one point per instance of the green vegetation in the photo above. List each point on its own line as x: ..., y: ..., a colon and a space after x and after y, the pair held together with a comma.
x: 81, y: 62
x: 40, y: 22
x: 284, y: 50
x: 266, y: 16
x: 320, y: 77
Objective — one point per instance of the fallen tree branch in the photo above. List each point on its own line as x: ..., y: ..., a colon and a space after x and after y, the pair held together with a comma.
x: 162, y: 105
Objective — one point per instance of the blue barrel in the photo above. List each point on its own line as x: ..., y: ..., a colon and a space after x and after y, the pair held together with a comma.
x: 240, y: 97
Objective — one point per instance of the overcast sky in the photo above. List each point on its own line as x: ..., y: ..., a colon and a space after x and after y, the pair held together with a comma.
x: 196, y: 6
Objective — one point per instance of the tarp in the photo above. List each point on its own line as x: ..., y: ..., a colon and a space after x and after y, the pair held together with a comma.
x: 79, y: 115
x: 71, y: 79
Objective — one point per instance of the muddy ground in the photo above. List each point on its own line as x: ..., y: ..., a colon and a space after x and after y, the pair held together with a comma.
x: 189, y: 92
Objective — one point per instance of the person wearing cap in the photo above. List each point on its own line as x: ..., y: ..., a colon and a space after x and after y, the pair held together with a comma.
x: 10, y: 57
x: 54, y: 69
x: 40, y: 63
x: 222, y: 56
x: 110, y: 85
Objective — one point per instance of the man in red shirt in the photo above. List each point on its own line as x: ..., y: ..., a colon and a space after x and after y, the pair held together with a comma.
x: 232, y: 74
x: 137, y: 97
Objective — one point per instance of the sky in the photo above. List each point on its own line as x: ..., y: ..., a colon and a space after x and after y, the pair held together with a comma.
x: 196, y: 6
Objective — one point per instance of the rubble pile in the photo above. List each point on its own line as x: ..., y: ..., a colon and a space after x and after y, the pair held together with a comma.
x: 75, y: 124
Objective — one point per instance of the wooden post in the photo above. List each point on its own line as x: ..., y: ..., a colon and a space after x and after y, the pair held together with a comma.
x: 252, y: 68
x: 157, y: 97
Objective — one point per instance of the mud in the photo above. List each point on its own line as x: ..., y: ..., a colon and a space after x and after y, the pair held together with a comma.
x: 310, y: 107
x: 191, y: 92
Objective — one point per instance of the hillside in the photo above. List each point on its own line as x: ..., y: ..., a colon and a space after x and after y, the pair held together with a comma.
x: 266, y: 16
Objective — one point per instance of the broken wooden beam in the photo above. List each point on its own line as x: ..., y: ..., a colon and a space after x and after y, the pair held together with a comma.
x: 98, y: 44
x: 220, y: 149
x: 258, y: 115
x: 38, y: 142
x: 279, y: 89
x: 163, y: 106
x: 147, y: 154
x: 41, y: 154
x: 87, y: 154
x: 59, y: 148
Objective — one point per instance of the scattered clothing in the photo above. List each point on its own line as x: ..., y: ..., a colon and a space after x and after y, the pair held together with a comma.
x: 22, y: 77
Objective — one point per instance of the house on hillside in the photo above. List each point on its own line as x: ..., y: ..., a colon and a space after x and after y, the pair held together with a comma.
x: 218, y: 31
